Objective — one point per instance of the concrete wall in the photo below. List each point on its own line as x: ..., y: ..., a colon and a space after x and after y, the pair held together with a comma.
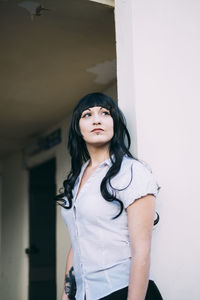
x: 164, y: 39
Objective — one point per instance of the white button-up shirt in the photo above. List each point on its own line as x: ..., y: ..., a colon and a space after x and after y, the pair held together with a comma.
x: 101, y: 249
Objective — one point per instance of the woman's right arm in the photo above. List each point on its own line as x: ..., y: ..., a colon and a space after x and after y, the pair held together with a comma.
x: 69, y: 281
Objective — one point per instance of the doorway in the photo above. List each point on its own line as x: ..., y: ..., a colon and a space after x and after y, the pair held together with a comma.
x: 42, y: 232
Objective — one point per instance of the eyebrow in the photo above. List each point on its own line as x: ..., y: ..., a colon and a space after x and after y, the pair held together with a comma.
x: 86, y: 110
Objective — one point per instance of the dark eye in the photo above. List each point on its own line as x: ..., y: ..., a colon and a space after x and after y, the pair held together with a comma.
x: 86, y: 115
x: 105, y: 112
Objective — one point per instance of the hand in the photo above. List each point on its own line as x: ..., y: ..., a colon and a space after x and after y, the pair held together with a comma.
x: 64, y: 296
x: 70, y: 285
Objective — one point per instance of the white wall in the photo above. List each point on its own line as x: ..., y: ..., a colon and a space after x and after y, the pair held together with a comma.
x: 165, y: 40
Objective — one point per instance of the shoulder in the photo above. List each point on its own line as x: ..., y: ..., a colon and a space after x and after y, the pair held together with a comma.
x: 134, y: 180
x: 136, y: 165
x: 130, y: 168
x: 133, y: 170
x: 140, y: 171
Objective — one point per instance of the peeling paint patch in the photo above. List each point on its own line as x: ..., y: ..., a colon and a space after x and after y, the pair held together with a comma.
x: 106, y: 2
x: 30, y: 6
x: 105, y: 72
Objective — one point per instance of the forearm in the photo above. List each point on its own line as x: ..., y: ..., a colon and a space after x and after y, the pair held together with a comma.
x: 140, y: 224
x: 139, y: 277
x: 69, y: 280
x: 69, y: 261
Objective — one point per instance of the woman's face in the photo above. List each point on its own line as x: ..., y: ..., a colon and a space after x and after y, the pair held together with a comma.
x: 96, y: 126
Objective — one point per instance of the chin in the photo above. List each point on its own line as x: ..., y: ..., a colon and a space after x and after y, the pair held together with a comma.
x: 99, y: 143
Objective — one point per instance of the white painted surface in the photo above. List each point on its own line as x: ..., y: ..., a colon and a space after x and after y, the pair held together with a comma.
x: 30, y: 6
x: 125, y: 72
x: 165, y: 41
x: 106, y: 2
x: 105, y: 72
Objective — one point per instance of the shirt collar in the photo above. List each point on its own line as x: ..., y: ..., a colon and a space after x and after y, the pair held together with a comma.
x: 106, y: 162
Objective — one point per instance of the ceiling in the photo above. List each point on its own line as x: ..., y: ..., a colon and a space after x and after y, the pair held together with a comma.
x: 49, y: 59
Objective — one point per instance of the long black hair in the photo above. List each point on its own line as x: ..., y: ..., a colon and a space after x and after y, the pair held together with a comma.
x: 119, y: 146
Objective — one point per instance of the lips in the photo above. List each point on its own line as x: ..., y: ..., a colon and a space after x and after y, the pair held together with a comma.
x: 97, y: 129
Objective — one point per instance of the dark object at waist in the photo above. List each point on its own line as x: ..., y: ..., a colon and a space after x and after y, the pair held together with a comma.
x: 153, y: 293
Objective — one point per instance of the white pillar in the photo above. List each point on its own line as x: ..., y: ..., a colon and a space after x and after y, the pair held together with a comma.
x: 125, y: 70
x: 158, y: 46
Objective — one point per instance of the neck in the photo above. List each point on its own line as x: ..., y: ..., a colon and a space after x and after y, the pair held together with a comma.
x: 97, y: 155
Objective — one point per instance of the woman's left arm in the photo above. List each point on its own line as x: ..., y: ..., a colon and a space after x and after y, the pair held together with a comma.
x: 140, y: 223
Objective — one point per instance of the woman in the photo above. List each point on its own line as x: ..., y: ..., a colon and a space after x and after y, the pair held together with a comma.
x: 108, y: 205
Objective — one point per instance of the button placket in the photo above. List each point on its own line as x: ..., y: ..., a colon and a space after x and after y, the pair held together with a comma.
x: 78, y: 194
x: 85, y: 185
x: 81, y: 266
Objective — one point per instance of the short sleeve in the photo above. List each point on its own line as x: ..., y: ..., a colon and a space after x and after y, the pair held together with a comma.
x: 140, y: 182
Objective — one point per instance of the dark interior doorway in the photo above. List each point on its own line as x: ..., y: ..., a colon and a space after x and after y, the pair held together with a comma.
x: 42, y: 236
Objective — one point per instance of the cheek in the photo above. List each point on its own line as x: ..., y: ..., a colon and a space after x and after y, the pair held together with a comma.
x: 81, y: 126
x: 111, y: 127
x: 112, y: 124
x: 83, y: 130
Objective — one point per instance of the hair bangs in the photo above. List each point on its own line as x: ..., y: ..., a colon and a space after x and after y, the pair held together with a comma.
x: 92, y: 100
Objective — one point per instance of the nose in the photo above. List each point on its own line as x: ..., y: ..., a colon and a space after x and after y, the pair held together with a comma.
x: 96, y: 119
